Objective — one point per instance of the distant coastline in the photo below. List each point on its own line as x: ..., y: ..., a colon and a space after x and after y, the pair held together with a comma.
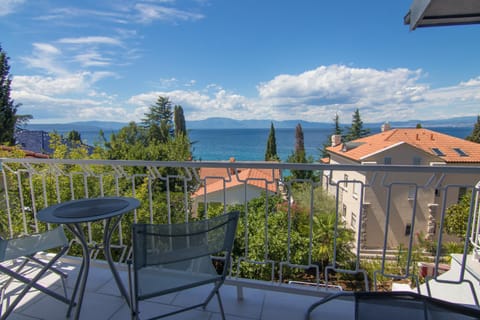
x: 227, y: 123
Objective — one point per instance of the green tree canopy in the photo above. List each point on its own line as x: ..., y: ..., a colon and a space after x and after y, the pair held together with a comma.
x: 356, y: 130
x: 74, y: 136
x: 8, y: 108
x: 271, y: 150
x: 475, y: 135
x: 456, y: 217
x: 158, y: 120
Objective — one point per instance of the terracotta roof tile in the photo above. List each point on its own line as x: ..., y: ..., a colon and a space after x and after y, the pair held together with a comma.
x: 423, y: 139
x: 250, y: 176
x: 28, y: 153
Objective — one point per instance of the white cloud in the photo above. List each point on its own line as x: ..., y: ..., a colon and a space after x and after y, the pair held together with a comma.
x: 67, y: 97
x: 50, y: 86
x: 61, y: 85
x: 66, y: 15
x: 111, y: 113
x: 46, y: 48
x: 91, y: 40
x: 342, y: 84
x: 314, y: 95
x: 123, y: 13
x: 70, y: 55
x: 198, y: 105
x: 9, y: 6
x: 150, y: 12
x: 92, y: 59
x: 45, y: 57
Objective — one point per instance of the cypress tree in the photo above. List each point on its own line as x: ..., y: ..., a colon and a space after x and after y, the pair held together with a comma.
x: 299, y: 155
x: 179, y: 121
x: 271, y: 150
x: 337, y: 130
x: 299, y: 143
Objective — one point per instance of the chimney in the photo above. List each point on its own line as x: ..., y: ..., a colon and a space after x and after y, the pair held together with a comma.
x: 336, y: 140
x: 385, y: 127
x: 232, y: 170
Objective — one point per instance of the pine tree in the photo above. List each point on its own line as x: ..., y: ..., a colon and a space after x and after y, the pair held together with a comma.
x: 356, y: 130
x: 475, y: 135
x: 74, y: 136
x: 8, y: 108
x: 159, y: 121
x: 271, y: 150
x: 179, y: 120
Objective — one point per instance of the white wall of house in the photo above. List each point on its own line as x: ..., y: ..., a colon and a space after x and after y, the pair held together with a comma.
x: 401, y: 204
x: 349, y: 184
x: 233, y: 195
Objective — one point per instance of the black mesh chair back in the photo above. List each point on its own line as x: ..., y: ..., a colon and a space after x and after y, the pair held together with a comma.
x: 173, y: 257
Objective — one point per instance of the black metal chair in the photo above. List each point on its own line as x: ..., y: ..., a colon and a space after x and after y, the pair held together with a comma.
x: 26, y: 248
x: 401, y: 306
x: 174, y: 257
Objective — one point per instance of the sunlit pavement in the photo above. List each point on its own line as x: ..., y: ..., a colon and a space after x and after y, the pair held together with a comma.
x: 103, y: 301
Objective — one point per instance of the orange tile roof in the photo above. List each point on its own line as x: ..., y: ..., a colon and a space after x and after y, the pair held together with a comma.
x: 423, y: 139
x: 215, y: 178
x: 28, y: 153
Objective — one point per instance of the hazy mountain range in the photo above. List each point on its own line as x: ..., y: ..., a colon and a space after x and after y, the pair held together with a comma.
x: 226, y: 123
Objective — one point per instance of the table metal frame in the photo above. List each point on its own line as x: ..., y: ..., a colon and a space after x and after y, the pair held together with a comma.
x: 112, y: 220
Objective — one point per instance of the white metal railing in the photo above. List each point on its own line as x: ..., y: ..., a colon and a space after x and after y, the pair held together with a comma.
x: 390, y: 209
x: 475, y: 223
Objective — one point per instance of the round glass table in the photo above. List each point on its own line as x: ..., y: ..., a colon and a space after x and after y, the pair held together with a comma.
x: 73, y: 214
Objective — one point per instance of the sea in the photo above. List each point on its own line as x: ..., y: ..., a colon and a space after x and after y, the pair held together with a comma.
x: 250, y: 144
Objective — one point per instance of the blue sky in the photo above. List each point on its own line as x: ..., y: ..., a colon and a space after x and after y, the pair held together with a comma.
x: 250, y: 59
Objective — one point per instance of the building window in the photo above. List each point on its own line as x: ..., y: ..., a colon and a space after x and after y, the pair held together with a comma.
x: 412, y: 190
x: 387, y: 160
x: 438, y: 152
x: 460, y: 152
x: 353, y: 221
x: 344, y: 211
x: 408, y: 229
x: 417, y: 161
x: 345, y: 177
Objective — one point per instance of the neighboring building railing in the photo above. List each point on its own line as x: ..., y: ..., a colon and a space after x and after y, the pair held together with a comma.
x: 396, y: 215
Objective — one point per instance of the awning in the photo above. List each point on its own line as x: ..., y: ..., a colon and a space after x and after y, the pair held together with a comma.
x: 428, y: 13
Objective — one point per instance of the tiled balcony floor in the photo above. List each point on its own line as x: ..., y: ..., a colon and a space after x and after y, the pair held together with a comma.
x: 103, y: 301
